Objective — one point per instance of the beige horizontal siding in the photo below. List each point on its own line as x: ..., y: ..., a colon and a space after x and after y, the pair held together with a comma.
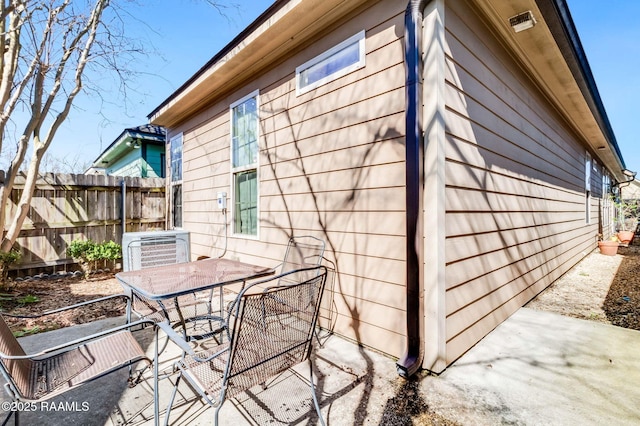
x: 462, y: 199
x: 342, y: 142
x: 362, y: 200
x: 514, y: 186
x: 331, y: 165
x: 461, y: 248
x: 365, y: 334
x: 500, y: 156
x: 484, y: 222
x: 347, y: 179
x: 481, y: 320
x: 347, y: 222
x: 367, y: 313
x: 501, y: 265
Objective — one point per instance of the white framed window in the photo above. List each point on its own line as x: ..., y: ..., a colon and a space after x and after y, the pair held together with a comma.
x: 175, y: 183
x: 336, y: 62
x: 587, y: 185
x: 607, y: 217
x: 587, y: 172
x: 244, y: 164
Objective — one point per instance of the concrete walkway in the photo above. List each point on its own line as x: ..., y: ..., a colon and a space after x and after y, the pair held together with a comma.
x: 537, y: 368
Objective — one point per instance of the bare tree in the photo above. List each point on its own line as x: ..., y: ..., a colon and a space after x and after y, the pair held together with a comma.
x: 47, y: 46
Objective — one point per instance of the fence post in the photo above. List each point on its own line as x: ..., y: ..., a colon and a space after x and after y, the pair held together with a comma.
x: 123, y: 184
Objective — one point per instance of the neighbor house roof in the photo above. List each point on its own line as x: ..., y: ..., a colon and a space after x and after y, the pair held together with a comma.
x: 122, y: 144
x: 553, y: 58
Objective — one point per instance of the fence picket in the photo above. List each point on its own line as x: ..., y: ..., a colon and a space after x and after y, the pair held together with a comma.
x: 66, y: 207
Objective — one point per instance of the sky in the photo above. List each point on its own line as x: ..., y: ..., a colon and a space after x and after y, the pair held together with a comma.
x: 187, y: 33
x: 611, y: 40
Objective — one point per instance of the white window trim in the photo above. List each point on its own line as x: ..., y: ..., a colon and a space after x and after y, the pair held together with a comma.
x: 178, y: 182
x: 359, y: 37
x: 587, y: 172
x: 234, y: 170
x: 587, y: 183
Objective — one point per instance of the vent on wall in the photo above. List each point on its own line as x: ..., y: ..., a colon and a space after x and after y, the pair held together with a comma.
x: 522, y: 21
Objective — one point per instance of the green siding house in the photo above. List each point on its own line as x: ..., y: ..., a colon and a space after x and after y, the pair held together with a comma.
x: 137, y: 152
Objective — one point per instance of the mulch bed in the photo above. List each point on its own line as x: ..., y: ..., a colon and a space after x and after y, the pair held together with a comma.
x: 36, y: 296
x: 622, y: 304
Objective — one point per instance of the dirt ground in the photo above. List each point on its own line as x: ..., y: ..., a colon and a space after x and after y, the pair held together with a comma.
x: 34, y: 297
x: 599, y: 288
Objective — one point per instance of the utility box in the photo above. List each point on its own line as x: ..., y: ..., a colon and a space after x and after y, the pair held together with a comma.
x: 147, y: 249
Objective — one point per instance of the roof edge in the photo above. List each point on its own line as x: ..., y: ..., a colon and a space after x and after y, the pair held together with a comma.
x: 132, y: 132
x: 563, y: 29
x: 264, y: 17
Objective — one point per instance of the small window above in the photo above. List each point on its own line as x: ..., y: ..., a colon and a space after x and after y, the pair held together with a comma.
x: 336, y: 62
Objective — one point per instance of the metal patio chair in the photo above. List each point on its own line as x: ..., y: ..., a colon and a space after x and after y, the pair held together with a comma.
x: 302, y: 252
x: 259, y: 346
x: 50, y: 372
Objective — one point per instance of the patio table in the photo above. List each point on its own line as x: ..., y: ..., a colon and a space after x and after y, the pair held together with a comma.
x: 166, y: 284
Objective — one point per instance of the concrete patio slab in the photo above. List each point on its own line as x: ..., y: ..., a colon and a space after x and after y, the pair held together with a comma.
x: 536, y: 368
x: 541, y: 368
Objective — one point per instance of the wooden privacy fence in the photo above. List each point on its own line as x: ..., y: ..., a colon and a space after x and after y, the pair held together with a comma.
x: 66, y: 207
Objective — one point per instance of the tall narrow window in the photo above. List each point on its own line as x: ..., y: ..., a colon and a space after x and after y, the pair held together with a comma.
x: 607, y: 217
x: 244, y: 164
x: 175, y: 152
x: 587, y: 185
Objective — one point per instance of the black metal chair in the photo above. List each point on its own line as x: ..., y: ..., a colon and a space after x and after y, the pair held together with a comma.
x: 271, y: 326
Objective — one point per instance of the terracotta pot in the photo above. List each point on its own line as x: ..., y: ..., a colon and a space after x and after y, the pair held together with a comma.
x: 609, y: 248
x: 625, y: 237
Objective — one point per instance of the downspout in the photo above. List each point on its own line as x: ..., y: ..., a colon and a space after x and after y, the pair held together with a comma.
x: 411, y: 361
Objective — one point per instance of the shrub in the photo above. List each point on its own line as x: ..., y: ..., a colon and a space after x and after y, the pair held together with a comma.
x: 109, y: 250
x: 6, y: 260
x: 87, y: 253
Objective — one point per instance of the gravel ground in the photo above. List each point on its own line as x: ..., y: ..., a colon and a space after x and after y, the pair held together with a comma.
x: 599, y: 288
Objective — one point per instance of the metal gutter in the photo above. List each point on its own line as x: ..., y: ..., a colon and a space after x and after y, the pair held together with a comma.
x: 562, y: 27
x: 411, y: 361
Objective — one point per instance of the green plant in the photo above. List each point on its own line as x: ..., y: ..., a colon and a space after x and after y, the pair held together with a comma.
x: 6, y: 260
x: 88, y: 253
x: 27, y: 331
x: 82, y: 252
x: 109, y: 250
x: 79, y: 249
x: 29, y: 298
x: 626, y: 214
